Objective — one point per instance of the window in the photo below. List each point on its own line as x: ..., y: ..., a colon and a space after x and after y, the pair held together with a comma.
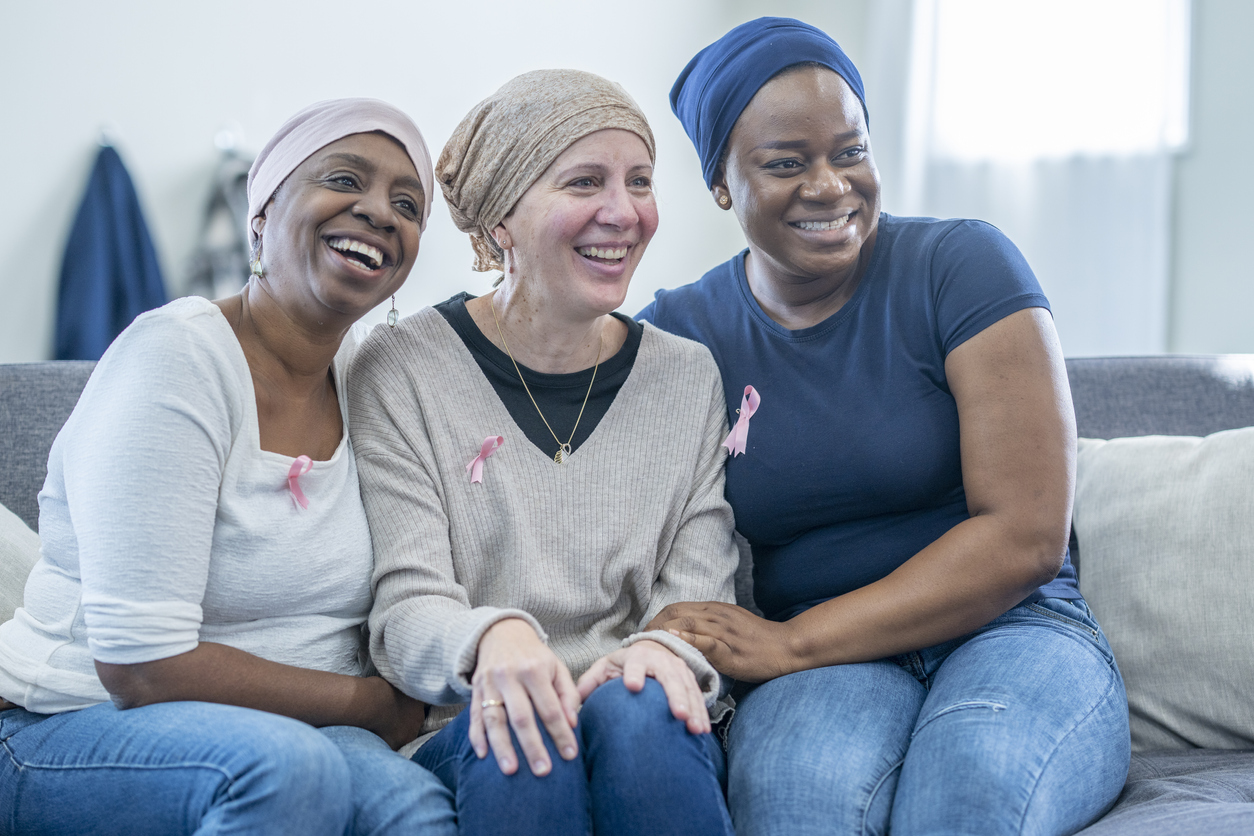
x: 1020, y: 81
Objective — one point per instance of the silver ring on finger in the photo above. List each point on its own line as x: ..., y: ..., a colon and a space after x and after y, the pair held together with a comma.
x: 492, y: 704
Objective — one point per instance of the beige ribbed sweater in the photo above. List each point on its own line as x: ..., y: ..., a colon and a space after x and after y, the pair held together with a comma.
x: 587, y: 552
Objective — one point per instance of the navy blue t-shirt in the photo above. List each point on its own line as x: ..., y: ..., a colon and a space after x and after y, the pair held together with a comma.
x: 852, y: 464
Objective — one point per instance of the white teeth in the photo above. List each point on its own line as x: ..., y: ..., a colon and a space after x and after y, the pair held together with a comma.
x: 825, y: 225
x: 603, y: 252
x: 348, y: 245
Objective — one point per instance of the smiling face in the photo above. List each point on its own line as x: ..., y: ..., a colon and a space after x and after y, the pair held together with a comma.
x: 802, y: 181
x: 574, y: 238
x: 341, y: 234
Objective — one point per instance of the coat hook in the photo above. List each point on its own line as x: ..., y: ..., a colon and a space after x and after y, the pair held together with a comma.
x: 109, y: 133
x: 229, y: 137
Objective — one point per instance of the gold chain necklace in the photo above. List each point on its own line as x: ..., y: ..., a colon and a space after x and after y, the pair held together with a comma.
x: 563, y: 450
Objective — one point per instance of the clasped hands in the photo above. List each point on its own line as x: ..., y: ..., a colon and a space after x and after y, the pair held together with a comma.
x: 523, y: 684
x: 736, y: 642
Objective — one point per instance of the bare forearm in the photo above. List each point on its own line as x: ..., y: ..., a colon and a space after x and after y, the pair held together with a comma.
x: 222, y: 674
x: 978, y: 570
x: 1018, y: 464
x: 1017, y: 442
x: 959, y: 583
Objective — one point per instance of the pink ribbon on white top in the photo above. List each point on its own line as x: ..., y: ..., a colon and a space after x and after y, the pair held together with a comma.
x: 300, y: 467
x: 489, y: 446
x: 735, y: 441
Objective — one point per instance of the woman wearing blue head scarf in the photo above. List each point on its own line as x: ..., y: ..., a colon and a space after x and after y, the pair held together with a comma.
x: 902, y: 465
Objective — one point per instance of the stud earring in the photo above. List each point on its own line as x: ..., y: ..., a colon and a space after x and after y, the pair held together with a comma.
x: 724, y: 200
x: 393, y: 314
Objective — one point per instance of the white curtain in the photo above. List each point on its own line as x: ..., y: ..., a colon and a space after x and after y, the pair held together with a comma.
x: 1057, y: 122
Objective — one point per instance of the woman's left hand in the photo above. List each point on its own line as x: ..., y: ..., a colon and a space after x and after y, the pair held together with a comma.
x: 735, y: 641
x: 648, y: 658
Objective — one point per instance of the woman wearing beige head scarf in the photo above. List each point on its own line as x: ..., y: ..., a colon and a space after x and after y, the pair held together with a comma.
x: 542, y: 476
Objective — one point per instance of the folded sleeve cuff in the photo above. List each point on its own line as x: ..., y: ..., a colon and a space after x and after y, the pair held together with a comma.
x: 130, y: 632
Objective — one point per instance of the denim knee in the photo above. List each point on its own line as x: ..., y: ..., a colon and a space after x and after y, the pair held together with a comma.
x: 486, y: 799
x: 196, y: 767
x: 1024, y: 730
x: 391, y: 794
x: 647, y: 772
x: 819, y: 751
x: 488, y: 771
x: 612, y: 713
x: 292, y: 768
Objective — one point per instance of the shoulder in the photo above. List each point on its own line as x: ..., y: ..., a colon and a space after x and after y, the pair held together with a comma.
x: 679, y: 356
x: 177, y: 344
x: 392, y: 369
x: 972, y: 275
x: 922, y: 233
x: 941, y: 239
x: 665, y: 344
x: 188, y: 323
x: 384, y: 347
x: 678, y: 309
x: 177, y: 363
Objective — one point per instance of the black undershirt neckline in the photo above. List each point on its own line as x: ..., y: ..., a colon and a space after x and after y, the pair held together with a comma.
x: 560, y: 396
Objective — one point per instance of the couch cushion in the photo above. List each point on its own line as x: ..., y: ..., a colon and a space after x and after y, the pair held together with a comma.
x: 1167, y: 528
x: 1199, y: 394
x: 1183, y: 794
x: 19, y: 549
x: 1165, y: 395
x: 35, y: 400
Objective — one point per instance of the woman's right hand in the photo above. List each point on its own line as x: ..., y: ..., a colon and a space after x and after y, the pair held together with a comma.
x: 399, y: 717
x: 519, y: 677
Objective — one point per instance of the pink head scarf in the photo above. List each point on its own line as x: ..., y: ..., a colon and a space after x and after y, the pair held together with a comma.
x: 321, y: 124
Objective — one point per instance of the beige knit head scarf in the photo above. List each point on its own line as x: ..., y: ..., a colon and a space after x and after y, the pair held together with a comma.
x: 510, y: 138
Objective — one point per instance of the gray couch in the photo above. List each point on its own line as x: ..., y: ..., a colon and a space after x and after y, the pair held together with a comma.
x: 1199, y: 791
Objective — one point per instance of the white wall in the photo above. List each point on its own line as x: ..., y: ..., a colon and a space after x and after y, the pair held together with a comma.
x: 171, y: 75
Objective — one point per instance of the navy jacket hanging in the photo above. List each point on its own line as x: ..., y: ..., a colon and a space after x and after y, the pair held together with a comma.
x: 110, y: 274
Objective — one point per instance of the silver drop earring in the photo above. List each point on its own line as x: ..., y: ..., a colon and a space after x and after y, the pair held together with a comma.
x: 393, y: 314
x: 254, y: 264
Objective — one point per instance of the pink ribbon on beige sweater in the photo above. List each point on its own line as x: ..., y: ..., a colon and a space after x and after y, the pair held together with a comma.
x: 299, y: 468
x: 739, y: 435
x: 489, y: 446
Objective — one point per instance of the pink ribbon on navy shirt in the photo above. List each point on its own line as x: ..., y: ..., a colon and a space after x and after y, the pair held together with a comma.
x: 739, y: 435
x: 489, y: 446
x: 300, y: 467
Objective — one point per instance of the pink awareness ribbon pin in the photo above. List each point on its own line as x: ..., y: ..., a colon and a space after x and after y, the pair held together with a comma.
x: 735, y: 441
x: 489, y: 446
x: 300, y: 467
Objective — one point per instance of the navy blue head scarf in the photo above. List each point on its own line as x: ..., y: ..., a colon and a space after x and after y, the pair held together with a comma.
x: 716, y: 86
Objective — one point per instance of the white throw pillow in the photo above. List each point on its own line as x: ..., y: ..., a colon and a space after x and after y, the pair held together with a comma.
x: 1166, y: 532
x: 19, y: 549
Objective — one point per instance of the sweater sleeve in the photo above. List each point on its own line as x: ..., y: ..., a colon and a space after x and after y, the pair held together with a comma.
x: 424, y: 634
x: 143, y: 459
x: 701, y: 562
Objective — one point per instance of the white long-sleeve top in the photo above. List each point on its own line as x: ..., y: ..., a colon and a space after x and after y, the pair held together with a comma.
x: 587, y: 552
x: 163, y: 524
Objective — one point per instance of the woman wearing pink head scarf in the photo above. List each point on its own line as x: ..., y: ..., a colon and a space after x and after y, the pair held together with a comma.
x: 190, y: 657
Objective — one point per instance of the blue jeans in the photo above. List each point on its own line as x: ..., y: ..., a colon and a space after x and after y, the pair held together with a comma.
x: 1018, y: 728
x: 200, y: 768
x: 638, y: 771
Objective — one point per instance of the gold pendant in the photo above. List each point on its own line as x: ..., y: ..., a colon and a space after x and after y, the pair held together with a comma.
x: 562, y: 454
